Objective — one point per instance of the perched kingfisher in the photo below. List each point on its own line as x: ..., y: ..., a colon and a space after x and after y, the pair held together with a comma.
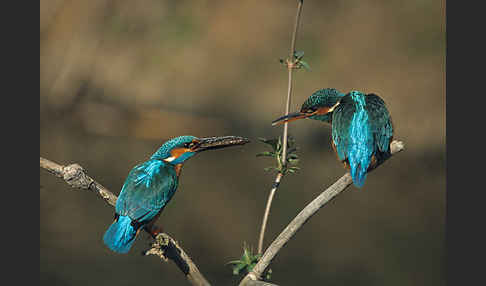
x: 150, y: 186
x: 361, y: 125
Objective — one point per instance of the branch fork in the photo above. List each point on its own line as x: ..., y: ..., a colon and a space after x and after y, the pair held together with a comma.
x: 306, y: 213
x: 76, y: 177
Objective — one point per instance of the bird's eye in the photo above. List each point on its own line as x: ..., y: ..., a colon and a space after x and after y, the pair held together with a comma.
x: 190, y: 145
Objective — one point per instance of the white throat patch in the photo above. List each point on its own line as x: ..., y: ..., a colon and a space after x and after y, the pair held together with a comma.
x: 334, y: 106
x: 170, y: 159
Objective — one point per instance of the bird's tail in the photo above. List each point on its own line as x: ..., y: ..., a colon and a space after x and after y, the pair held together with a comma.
x: 359, y: 164
x: 120, y: 235
x: 359, y: 175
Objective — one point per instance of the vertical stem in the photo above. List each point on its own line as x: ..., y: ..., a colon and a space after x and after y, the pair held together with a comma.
x: 267, y: 211
x: 304, y: 215
x: 290, y: 67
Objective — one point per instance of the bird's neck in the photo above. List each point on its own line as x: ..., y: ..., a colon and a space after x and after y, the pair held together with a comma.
x: 162, y: 155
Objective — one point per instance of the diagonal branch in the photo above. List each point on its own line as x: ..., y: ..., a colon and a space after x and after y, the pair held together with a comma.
x: 336, y: 188
x: 165, y: 246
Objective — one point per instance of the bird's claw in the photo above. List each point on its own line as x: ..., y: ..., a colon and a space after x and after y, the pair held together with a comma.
x: 155, y: 230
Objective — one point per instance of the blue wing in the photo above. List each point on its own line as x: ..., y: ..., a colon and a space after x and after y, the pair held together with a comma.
x: 360, y: 133
x: 380, y: 122
x: 352, y: 138
x: 341, y: 123
x: 147, y: 189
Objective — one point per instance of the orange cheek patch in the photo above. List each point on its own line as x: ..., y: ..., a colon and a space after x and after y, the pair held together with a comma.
x: 322, y: 110
x: 178, y: 151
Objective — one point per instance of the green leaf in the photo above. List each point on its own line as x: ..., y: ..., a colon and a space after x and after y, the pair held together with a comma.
x: 234, y: 262
x: 291, y: 150
x: 272, y: 142
x: 268, y: 274
x: 238, y: 268
x: 293, y: 156
x: 247, y: 263
x: 279, y: 141
x: 305, y: 65
x: 276, y: 143
x: 298, y: 54
x: 245, y: 256
x: 266, y: 153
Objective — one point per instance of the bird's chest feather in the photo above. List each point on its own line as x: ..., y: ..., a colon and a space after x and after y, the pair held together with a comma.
x: 178, y: 169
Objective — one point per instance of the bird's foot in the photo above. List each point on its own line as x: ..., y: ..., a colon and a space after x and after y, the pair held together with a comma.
x: 155, y: 230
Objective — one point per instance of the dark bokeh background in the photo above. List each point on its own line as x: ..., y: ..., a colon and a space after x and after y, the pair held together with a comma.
x: 118, y: 78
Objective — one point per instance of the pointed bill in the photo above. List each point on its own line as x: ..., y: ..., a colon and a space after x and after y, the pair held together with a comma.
x: 211, y: 143
x: 290, y: 117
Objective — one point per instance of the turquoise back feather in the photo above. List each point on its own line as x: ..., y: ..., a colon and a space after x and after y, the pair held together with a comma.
x: 361, y: 129
x: 147, y: 189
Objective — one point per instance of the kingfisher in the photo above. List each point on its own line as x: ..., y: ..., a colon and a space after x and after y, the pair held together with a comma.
x: 361, y: 127
x: 150, y: 186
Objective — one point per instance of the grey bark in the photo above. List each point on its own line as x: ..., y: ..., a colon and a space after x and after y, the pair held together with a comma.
x: 331, y: 192
x: 165, y: 246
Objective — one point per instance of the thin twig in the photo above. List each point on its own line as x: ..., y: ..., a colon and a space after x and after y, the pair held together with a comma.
x: 165, y: 246
x: 290, y: 67
x: 336, y: 188
x: 267, y: 211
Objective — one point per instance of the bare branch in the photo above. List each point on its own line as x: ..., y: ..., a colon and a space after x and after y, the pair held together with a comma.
x: 165, y: 246
x: 259, y: 283
x: 75, y: 176
x: 336, y: 188
x: 267, y: 211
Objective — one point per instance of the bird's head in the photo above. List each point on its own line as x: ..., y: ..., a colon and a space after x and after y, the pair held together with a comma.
x: 179, y: 149
x: 318, y: 106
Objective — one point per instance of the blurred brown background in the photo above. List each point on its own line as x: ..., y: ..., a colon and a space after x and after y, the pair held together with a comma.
x: 118, y: 78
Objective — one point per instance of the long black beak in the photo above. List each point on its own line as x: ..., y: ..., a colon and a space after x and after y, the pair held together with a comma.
x: 211, y: 143
x: 291, y: 117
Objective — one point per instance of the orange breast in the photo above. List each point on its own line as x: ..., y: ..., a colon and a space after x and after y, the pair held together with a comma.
x: 178, y: 169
